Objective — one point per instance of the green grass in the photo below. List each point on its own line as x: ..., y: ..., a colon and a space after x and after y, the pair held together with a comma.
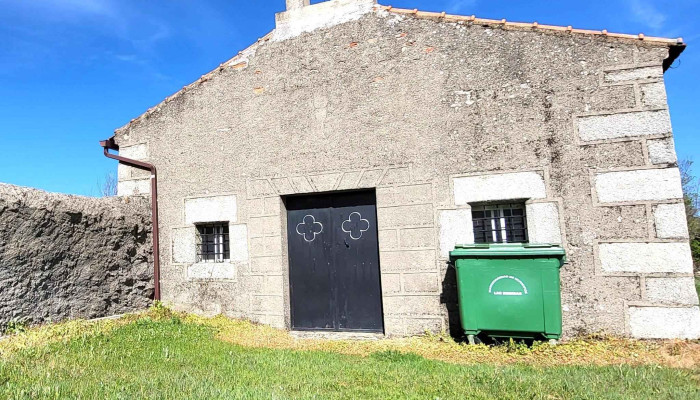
x: 697, y: 284
x: 172, y: 359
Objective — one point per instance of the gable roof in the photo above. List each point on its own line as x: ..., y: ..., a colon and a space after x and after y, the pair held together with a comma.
x: 531, y: 26
x: 240, y: 61
x: 676, y: 46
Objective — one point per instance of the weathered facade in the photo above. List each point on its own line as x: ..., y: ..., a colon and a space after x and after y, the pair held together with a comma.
x: 72, y: 257
x: 437, y: 114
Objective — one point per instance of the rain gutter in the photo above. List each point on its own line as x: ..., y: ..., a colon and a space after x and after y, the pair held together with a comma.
x: 110, y: 144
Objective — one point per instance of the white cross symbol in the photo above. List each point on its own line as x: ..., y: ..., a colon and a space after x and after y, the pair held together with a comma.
x: 309, y: 228
x: 355, y: 225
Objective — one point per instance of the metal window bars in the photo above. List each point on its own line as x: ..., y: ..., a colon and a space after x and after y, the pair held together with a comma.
x: 500, y: 223
x: 213, y: 243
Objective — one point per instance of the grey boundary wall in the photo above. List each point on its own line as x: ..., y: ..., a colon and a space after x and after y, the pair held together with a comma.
x: 65, y: 256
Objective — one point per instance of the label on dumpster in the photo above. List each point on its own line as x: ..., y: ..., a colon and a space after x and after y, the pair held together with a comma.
x: 511, y: 286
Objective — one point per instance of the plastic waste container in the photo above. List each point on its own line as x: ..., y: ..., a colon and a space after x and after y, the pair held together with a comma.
x: 509, y: 290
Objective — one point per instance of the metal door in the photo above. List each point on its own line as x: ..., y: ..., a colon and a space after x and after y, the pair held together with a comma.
x: 334, y: 262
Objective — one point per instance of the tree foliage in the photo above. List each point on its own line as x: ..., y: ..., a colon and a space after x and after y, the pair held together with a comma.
x: 108, y: 187
x: 691, y: 193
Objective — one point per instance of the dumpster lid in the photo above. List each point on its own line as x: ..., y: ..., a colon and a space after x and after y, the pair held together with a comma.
x: 507, y: 249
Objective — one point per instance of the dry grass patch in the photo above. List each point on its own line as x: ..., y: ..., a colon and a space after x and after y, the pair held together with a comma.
x: 160, y: 354
x: 594, y: 350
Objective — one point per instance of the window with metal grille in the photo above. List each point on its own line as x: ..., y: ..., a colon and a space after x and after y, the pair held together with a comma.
x: 500, y: 223
x: 213, y: 243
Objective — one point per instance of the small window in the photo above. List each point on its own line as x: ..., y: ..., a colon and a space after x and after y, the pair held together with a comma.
x: 499, y: 223
x: 213, y: 243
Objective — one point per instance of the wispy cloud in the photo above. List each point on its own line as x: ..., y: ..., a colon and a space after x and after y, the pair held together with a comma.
x: 113, y: 17
x: 152, y: 32
x: 456, y: 6
x: 145, y: 64
x: 95, y: 7
x: 49, y: 25
x: 68, y: 11
x: 126, y: 57
x: 646, y: 13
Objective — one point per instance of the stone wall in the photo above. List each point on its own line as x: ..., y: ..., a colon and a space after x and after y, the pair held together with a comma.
x: 436, y: 116
x: 72, y: 257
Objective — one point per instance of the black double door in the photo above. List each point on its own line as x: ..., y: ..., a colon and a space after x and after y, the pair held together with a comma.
x: 334, y: 262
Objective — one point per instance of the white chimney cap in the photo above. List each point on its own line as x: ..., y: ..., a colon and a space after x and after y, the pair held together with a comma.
x: 301, y: 16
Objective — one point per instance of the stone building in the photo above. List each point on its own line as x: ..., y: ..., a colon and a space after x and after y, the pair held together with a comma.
x: 367, y: 141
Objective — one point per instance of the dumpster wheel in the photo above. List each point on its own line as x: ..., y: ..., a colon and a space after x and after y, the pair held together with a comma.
x: 474, y: 339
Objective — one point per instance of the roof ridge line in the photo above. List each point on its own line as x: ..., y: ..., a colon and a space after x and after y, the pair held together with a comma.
x: 525, y: 25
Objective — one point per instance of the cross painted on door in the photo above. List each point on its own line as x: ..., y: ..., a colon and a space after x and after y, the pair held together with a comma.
x: 309, y: 228
x: 355, y: 225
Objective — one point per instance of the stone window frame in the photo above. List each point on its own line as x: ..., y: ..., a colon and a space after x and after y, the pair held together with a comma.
x: 543, y: 211
x: 186, y: 235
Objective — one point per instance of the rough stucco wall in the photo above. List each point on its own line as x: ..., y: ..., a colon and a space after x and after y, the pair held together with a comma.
x: 405, y: 104
x: 72, y: 257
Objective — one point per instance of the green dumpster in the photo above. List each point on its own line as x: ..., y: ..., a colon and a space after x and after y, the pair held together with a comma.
x: 509, y: 290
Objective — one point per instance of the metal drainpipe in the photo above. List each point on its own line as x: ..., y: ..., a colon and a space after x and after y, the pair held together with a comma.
x: 109, y: 144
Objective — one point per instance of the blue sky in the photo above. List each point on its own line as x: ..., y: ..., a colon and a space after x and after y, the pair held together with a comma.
x: 71, y: 71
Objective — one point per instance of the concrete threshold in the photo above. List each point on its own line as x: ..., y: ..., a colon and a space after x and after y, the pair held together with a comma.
x: 336, y: 335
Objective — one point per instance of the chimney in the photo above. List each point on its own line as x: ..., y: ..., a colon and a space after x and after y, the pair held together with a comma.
x: 292, y: 4
x: 302, y: 16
